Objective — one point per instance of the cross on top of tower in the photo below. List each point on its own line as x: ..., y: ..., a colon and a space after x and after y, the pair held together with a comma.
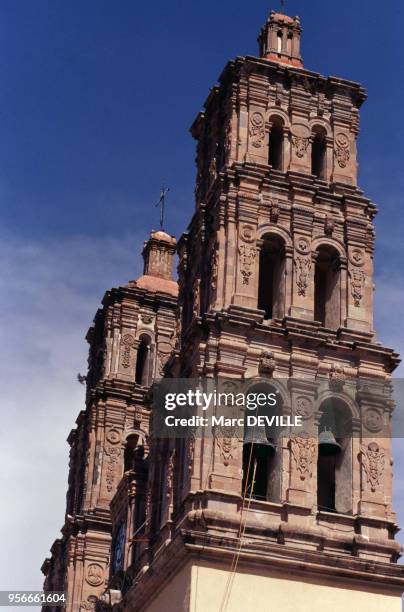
x: 161, y: 203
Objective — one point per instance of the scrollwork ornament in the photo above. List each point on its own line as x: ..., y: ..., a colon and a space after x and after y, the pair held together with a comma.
x: 303, y: 268
x: 342, y: 149
x: 300, y: 145
x: 128, y: 343
x: 247, y: 258
x: 257, y: 129
x: 89, y: 604
x: 357, y: 285
x: 303, y: 452
x: 373, y: 462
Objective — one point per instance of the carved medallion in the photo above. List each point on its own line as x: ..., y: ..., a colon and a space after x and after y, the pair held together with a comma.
x: 247, y: 233
x: 257, y: 129
x: 342, y: 149
x: 95, y: 574
x: 302, y: 245
x: 303, y: 406
x: 357, y: 257
x: 373, y: 420
x: 113, y: 436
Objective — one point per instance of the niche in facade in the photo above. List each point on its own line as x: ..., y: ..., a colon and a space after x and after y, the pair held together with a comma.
x: 271, y: 284
x: 327, y: 287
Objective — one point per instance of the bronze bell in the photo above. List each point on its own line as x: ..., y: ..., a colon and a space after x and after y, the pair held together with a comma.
x: 327, y: 444
x: 262, y: 446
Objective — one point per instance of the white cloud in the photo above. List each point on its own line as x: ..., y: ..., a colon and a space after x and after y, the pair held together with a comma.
x: 50, y: 291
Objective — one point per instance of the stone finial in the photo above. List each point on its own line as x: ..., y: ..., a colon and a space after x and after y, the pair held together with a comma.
x: 279, y: 40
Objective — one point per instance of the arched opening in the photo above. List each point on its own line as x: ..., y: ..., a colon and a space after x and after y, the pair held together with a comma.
x: 276, y: 144
x: 334, y: 464
x: 327, y: 287
x: 318, y: 153
x: 279, y: 38
x: 261, y: 462
x: 133, y: 452
x: 289, y: 44
x: 143, y: 362
x: 271, y: 277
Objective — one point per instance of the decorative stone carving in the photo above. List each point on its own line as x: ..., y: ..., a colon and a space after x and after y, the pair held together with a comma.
x: 170, y: 475
x: 302, y: 245
x: 304, y: 453
x: 113, y: 453
x: 146, y: 318
x: 337, y: 377
x: 304, y: 406
x: 113, y: 435
x: 303, y: 268
x: 89, y: 603
x: 247, y: 258
x: 227, y: 446
x: 128, y: 343
x: 357, y: 257
x: 274, y: 214
x: 215, y: 268
x: 357, y: 285
x: 373, y: 420
x: 247, y: 233
x: 190, y: 453
x: 267, y: 363
x: 196, y: 298
x: 257, y: 129
x: 329, y: 225
x: 373, y: 462
x: 342, y: 149
x: 300, y: 145
x: 95, y: 574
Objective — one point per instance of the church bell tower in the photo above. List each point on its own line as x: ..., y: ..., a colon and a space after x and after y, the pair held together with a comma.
x: 275, y: 291
x: 276, y: 284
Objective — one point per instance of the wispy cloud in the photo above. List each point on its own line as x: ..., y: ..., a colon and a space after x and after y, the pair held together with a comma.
x: 50, y: 291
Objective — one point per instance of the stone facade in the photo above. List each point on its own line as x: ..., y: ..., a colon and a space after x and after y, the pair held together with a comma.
x: 137, y: 323
x: 275, y: 281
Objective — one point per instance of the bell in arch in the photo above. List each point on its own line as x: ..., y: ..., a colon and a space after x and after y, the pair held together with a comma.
x: 256, y: 437
x: 327, y: 444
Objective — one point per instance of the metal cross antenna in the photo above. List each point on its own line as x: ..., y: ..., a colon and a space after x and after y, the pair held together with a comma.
x: 161, y: 203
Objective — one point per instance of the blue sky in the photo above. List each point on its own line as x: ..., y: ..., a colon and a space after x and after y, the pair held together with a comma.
x: 96, y: 99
